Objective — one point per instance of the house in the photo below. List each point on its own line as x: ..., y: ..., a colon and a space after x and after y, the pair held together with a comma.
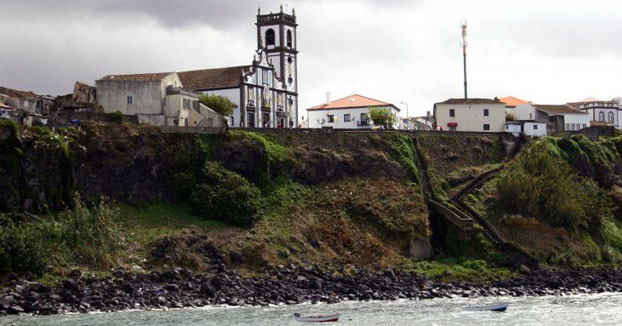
x: 25, y: 106
x: 560, y: 117
x: 158, y: 99
x: 605, y: 112
x: 265, y: 93
x: 350, y: 112
x: 470, y: 114
x: 419, y: 123
x: 511, y: 102
x: 524, y: 118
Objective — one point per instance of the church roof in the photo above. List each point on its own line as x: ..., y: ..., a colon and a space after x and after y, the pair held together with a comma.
x: 352, y: 101
x: 218, y: 78
x: 512, y: 101
x: 138, y: 77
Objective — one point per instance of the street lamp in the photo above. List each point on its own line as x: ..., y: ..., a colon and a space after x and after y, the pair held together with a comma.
x: 407, y: 120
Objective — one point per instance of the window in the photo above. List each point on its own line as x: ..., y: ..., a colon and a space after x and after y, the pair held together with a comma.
x: 601, y: 116
x: 567, y: 126
x: 610, y: 117
x: 452, y: 112
x: 270, y: 37
x: 485, y: 112
x: 347, y: 117
x: 535, y: 127
x: 453, y: 128
x: 530, y: 116
x: 289, y: 38
x: 331, y: 118
x: 129, y: 100
x: 251, y: 96
x: 486, y: 126
x: 364, y: 117
x: 231, y: 121
x: 584, y: 125
x: 265, y: 77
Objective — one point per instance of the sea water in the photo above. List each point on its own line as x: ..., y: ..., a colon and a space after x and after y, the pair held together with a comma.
x: 596, y: 309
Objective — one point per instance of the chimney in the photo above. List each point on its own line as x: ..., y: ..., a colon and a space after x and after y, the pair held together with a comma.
x: 327, y: 97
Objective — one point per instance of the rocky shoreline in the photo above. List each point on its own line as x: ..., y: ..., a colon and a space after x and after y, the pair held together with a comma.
x: 181, y: 288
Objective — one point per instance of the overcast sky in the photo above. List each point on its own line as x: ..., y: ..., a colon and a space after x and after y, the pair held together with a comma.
x: 396, y: 51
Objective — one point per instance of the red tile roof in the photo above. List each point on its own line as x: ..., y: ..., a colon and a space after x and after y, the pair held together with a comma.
x: 512, y: 101
x: 471, y: 101
x: 352, y: 101
x: 218, y: 78
x: 138, y: 77
x: 557, y: 109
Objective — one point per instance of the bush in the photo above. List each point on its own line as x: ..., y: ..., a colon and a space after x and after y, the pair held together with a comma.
x: 90, y: 236
x: 21, y: 247
x: 218, y: 103
x: 117, y: 116
x: 381, y: 117
x: 227, y: 196
x: 544, y: 186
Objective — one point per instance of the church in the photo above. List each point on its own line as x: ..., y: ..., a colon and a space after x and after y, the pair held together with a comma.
x: 265, y: 93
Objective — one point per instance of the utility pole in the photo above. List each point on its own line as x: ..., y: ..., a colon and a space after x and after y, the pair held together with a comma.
x: 407, y: 115
x: 463, y: 26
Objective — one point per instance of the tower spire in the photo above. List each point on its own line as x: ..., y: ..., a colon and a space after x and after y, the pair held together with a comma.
x: 463, y: 26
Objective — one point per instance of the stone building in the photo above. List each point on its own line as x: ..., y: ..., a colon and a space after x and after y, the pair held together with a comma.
x: 158, y: 99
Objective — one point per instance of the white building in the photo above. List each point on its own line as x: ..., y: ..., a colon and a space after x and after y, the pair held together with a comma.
x: 471, y: 114
x: 607, y: 112
x: 561, y: 117
x: 265, y: 93
x: 351, y: 112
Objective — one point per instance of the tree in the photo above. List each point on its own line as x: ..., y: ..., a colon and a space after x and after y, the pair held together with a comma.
x: 381, y: 117
x: 220, y: 104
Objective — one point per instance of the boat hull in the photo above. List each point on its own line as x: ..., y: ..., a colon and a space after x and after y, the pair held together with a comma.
x: 499, y: 308
x: 318, y: 319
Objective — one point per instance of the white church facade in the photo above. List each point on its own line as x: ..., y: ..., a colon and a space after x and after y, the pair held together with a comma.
x: 265, y: 93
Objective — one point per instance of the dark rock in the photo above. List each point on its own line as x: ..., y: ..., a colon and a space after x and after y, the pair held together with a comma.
x: 235, y: 258
x: 14, y: 310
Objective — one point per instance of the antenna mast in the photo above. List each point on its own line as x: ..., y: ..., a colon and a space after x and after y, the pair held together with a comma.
x: 463, y: 26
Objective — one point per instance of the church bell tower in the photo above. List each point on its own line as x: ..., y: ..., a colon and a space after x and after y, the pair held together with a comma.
x: 276, y: 34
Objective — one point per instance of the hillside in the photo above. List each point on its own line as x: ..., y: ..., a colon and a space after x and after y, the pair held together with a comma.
x: 116, y: 196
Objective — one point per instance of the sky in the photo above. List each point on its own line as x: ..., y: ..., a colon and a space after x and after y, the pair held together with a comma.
x: 396, y: 51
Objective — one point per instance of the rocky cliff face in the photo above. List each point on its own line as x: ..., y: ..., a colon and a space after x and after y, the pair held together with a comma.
x: 332, y: 199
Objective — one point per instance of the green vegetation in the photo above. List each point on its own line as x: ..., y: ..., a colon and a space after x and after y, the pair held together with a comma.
x: 227, y: 196
x: 82, y: 236
x: 117, y: 116
x: 403, y: 151
x: 539, y: 184
x: 276, y: 152
x: 218, y: 103
x: 381, y: 117
x: 449, y: 269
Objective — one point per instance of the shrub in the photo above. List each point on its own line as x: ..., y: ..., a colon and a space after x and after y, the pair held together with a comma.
x: 90, y: 236
x: 381, y: 117
x: 227, y: 196
x: 117, y: 116
x: 21, y: 247
x: 218, y: 103
x: 544, y: 186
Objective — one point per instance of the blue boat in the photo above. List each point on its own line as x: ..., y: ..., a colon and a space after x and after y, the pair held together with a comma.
x: 497, y: 307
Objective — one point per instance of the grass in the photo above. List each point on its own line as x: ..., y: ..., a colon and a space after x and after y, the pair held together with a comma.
x: 451, y: 269
x: 276, y: 152
x: 149, y: 222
